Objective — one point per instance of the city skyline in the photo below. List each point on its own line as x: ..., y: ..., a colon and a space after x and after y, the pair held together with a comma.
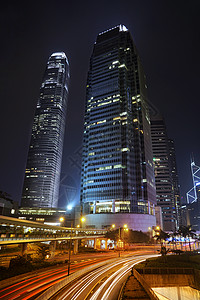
x: 165, y: 35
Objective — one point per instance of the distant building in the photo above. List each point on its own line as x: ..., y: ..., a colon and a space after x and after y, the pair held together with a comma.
x: 166, y: 177
x: 159, y: 219
x: 49, y: 216
x: 8, y: 207
x: 193, y: 198
x: 42, y: 176
x: 117, y: 184
x: 175, y: 179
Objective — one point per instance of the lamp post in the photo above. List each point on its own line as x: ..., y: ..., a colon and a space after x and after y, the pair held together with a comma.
x: 82, y: 220
x: 125, y: 229
x: 70, y: 245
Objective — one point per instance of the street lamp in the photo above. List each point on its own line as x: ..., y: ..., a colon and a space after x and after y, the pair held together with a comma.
x: 61, y: 219
x: 125, y: 229
x: 83, y: 219
x: 70, y: 245
x: 69, y: 207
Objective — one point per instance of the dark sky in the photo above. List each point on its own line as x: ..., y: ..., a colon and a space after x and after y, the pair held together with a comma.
x: 166, y: 34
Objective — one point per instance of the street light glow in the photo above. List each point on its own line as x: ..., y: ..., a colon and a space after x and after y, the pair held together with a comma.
x: 69, y: 207
x: 83, y: 219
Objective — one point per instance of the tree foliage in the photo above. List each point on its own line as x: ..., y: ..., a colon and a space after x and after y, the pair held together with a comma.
x: 43, y: 251
x: 187, y: 232
x: 130, y: 236
x: 21, y: 264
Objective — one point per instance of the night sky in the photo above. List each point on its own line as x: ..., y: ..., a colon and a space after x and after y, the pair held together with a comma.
x: 166, y: 34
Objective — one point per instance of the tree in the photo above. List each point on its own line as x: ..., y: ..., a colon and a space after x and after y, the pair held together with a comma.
x: 21, y: 264
x: 187, y: 232
x: 130, y: 236
x: 43, y: 251
x: 173, y: 236
x: 162, y: 236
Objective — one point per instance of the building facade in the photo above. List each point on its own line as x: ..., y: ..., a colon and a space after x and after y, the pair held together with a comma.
x: 167, y: 188
x: 42, y: 176
x: 193, y: 198
x: 175, y: 179
x: 117, y: 183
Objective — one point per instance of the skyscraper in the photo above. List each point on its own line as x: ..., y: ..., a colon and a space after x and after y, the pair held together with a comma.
x: 193, y: 198
x: 117, y: 184
x: 42, y: 176
x: 175, y: 179
x: 167, y: 191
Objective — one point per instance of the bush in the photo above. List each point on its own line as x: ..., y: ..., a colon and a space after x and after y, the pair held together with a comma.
x: 172, y: 261
x: 20, y: 264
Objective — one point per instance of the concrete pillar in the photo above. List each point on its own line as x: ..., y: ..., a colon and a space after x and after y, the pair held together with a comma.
x: 52, y: 248
x: 106, y: 244
x: 94, y: 207
x: 113, y: 206
x: 149, y: 208
x: 24, y: 249
x: 95, y: 243
x: 75, y: 246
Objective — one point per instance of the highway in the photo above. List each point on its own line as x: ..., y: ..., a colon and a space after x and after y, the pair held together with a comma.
x: 103, y: 282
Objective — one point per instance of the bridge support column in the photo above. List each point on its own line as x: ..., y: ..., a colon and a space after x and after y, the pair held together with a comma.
x: 52, y: 248
x: 95, y: 243
x: 113, y: 206
x: 24, y: 249
x: 75, y: 246
x: 106, y: 244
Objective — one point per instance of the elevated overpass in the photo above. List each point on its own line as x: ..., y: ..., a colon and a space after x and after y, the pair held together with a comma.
x: 18, y: 231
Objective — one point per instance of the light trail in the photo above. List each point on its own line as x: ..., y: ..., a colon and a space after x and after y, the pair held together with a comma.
x: 86, y: 279
x: 87, y: 284
x: 32, y: 283
x: 118, y: 278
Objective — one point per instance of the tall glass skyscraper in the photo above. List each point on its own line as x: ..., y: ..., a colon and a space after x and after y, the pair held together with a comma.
x: 166, y: 177
x: 41, y: 183
x: 117, y: 183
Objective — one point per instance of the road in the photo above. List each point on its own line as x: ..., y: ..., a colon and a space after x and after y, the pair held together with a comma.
x: 103, y: 283
x: 31, y: 285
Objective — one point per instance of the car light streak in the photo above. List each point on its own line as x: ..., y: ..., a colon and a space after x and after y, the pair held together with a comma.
x: 87, y: 278
x: 60, y: 274
x: 117, y: 279
x: 102, y: 271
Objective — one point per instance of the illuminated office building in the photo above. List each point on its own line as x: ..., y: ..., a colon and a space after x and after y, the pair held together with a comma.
x: 193, y: 198
x: 41, y: 183
x: 117, y: 184
x: 167, y: 188
x: 175, y: 179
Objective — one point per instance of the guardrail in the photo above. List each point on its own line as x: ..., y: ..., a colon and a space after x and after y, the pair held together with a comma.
x: 146, y: 287
x: 6, y: 241
x: 160, y: 271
